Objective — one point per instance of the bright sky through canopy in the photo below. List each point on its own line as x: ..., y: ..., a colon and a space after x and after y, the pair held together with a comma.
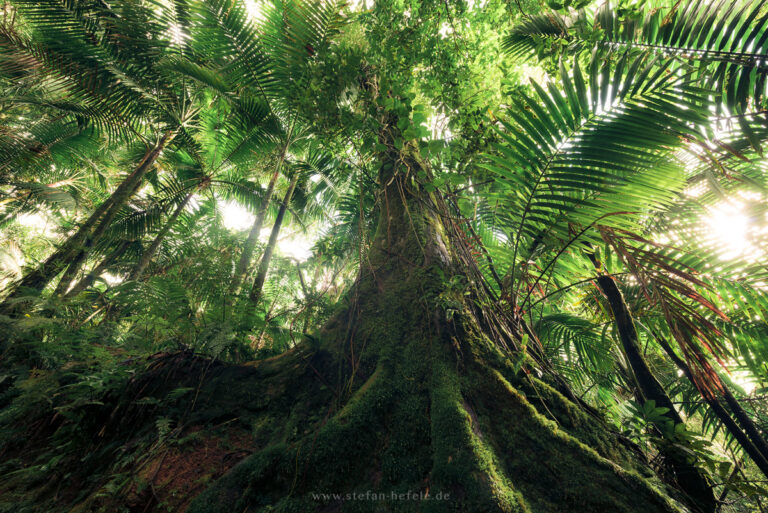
x: 237, y: 218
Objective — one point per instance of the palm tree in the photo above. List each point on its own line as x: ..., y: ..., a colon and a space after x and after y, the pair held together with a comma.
x: 722, y: 42
x: 577, y: 164
x: 271, y: 61
x: 315, y: 163
x: 99, y: 66
x: 720, y: 50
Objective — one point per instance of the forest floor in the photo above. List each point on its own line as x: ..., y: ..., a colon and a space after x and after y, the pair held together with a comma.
x: 150, y: 444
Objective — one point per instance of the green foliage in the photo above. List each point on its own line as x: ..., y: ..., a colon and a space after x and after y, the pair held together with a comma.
x: 550, y: 147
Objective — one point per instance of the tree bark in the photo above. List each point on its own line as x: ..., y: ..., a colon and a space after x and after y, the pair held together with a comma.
x: 747, y: 424
x: 261, y: 274
x: 75, y: 249
x: 690, y: 479
x: 149, y: 252
x: 120, y: 197
x: 746, y: 442
x: 241, y: 270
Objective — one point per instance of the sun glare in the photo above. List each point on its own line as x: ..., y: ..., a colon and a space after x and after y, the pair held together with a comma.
x: 729, y: 226
x: 112, y: 279
x: 235, y: 217
x: 38, y: 224
x: 296, y: 247
x: 733, y: 231
x: 744, y: 381
x: 253, y: 7
x: 360, y: 5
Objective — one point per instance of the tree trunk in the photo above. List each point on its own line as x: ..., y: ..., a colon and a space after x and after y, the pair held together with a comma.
x: 253, y: 236
x: 403, y: 392
x: 149, y: 253
x: 119, y: 198
x: 76, y: 248
x: 97, y: 271
x: 308, y: 301
x: 690, y: 479
x: 746, y: 442
x: 261, y: 274
x: 746, y: 423
x: 70, y: 273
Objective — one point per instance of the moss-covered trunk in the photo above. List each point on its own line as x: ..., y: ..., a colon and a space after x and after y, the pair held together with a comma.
x: 403, y: 403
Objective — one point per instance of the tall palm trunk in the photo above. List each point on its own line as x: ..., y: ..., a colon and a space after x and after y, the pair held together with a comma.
x: 746, y: 423
x: 690, y: 479
x: 149, y: 253
x: 753, y: 443
x: 261, y: 274
x: 97, y: 271
x: 253, y: 236
x: 308, y: 307
x: 75, y: 249
x: 119, y: 198
x: 70, y: 273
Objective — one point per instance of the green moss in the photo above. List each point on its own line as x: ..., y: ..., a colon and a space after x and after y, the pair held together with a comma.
x: 576, y: 421
x: 463, y: 462
x: 554, y: 470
